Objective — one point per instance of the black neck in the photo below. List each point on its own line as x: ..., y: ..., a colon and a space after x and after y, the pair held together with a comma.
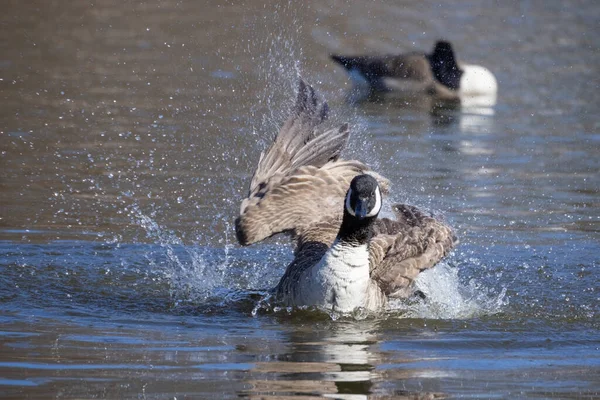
x: 355, y: 231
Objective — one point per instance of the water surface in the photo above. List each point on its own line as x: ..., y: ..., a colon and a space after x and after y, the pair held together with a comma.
x: 128, y: 135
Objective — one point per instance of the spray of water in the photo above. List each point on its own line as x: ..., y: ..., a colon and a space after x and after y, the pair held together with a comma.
x: 447, y: 297
x: 208, y: 275
x: 186, y: 276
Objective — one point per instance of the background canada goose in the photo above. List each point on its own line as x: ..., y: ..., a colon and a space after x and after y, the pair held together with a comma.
x: 438, y: 73
x: 345, y: 257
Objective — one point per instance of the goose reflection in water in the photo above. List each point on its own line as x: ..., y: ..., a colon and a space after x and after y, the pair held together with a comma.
x: 337, y: 361
x: 472, y: 114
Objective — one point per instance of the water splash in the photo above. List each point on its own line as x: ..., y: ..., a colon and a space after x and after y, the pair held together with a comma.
x: 210, y: 276
x: 280, y: 71
x: 447, y: 297
x: 190, y: 276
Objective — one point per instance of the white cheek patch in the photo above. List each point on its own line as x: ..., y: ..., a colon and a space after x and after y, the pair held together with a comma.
x: 348, y: 206
x: 377, y: 206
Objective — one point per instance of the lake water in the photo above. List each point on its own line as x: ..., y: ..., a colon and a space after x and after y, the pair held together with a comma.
x: 128, y: 133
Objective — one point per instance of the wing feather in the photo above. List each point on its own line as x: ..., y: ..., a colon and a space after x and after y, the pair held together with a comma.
x: 300, y: 179
x: 404, y: 247
x: 296, y: 132
x: 293, y: 203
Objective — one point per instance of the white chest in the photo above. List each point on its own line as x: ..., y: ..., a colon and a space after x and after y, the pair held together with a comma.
x: 340, y: 280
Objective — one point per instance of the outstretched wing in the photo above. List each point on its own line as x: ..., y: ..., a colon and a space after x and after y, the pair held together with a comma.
x: 290, y: 148
x: 299, y: 179
x: 403, y: 248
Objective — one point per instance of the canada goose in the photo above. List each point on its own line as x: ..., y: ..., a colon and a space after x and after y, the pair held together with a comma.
x: 437, y: 74
x: 345, y: 257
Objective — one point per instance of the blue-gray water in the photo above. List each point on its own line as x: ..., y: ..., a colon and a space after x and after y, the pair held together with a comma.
x: 128, y: 134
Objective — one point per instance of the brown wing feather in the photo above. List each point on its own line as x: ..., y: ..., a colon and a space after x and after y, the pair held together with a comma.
x: 410, y: 66
x: 299, y: 180
x: 403, y: 248
x: 290, y: 203
x: 296, y: 132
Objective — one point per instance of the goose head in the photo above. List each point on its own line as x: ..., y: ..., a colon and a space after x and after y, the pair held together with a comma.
x: 361, y: 208
x: 444, y: 65
x: 363, y: 199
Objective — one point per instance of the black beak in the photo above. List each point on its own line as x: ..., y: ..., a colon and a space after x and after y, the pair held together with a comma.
x: 361, y: 208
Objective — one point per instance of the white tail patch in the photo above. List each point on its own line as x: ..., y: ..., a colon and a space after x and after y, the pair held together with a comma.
x: 477, y: 80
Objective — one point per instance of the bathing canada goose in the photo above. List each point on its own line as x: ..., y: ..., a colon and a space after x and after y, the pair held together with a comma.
x: 438, y: 73
x: 345, y: 256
